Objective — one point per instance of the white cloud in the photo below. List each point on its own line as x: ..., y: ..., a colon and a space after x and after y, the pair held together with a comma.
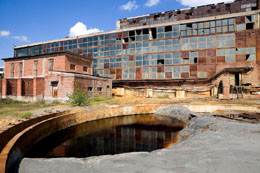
x: 4, y: 33
x: 129, y: 6
x: 81, y: 29
x: 151, y: 3
x: 21, y: 38
x: 194, y: 3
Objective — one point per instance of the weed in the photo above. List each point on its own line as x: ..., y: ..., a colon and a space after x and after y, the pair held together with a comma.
x: 165, y: 96
x: 79, y: 97
x: 25, y: 114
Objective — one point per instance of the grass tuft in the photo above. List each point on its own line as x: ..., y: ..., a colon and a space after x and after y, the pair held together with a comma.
x: 165, y: 96
x: 24, y: 115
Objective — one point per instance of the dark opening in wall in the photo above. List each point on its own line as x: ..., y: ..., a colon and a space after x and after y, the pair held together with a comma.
x: 249, y: 18
x: 250, y: 26
x: 247, y: 56
x: 227, y: 5
x: 213, y: 7
x: 168, y: 28
x: 160, y: 62
x: 132, y: 38
x: 178, y: 12
x: 131, y: 33
x: 189, y: 26
x: 126, y: 40
x: 237, y: 79
x: 220, y: 88
x: 156, y: 16
x: 139, y: 32
x: 90, y: 89
x: 195, y: 60
x: 154, y: 33
x: 145, y: 31
x: 189, y: 14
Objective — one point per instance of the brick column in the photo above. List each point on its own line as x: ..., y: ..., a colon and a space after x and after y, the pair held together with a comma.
x: 34, y: 89
x: 19, y: 89
x: 4, y: 88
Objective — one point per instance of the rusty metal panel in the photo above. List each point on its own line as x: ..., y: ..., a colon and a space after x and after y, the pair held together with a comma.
x: 211, y: 52
x: 240, y: 58
x: 112, y: 71
x: 250, y: 42
x: 240, y: 43
x: 202, y: 67
x: 211, y: 60
x: 106, y: 65
x: 131, y: 58
x: 258, y: 55
x: 185, y: 54
x: 193, y: 67
x: 138, y: 72
x: 168, y: 75
x: 202, y: 60
x: 202, y: 53
x: 220, y: 58
x: 119, y: 73
x: 193, y: 74
x: 211, y: 68
x: 160, y: 69
x: 185, y: 75
x: 240, y: 20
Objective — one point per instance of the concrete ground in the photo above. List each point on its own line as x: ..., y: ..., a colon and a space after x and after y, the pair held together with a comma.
x: 215, y: 145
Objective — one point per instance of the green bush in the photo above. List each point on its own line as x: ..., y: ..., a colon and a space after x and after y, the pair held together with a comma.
x: 79, y: 97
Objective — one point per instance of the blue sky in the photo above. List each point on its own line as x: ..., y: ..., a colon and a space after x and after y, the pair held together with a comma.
x: 30, y: 21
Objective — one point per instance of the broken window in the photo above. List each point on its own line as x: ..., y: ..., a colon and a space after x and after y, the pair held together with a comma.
x: 145, y: 31
x: 189, y: 26
x: 138, y: 32
x: 20, y: 70
x: 72, y: 67
x: 168, y: 28
x: 154, y: 33
x: 195, y: 60
x: 85, y: 68
x: 12, y: 70
x: 131, y: 33
x: 99, y: 89
x: 250, y: 26
x: 90, y: 89
x: 160, y: 62
x: 35, y: 64
x: 125, y: 40
x: 51, y: 61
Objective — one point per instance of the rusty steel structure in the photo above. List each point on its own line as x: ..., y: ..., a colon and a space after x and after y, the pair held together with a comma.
x: 179, y: 48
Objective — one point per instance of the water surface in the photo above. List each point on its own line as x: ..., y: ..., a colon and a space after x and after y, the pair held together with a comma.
x: 109, y: 136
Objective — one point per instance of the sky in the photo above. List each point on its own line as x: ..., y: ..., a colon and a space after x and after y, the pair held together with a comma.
x: 30, y: 21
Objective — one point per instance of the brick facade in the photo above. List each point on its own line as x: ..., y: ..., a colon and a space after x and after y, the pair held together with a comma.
x: 33, y: 78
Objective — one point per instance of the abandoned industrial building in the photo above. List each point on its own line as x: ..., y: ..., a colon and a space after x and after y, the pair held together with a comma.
x: 211, y: 50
